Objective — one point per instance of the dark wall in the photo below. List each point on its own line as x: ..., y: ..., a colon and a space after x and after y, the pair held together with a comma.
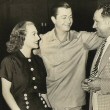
x: 13, y: 11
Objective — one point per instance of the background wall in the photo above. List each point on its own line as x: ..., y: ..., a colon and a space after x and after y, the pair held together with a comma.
x: 13, y: 11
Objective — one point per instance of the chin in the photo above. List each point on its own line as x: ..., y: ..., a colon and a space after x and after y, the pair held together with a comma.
x: 99, y: 34
x: 67, y: 29
x: 35, y: 47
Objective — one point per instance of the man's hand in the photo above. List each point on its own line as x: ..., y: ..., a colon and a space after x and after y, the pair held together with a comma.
x: 85, y: 85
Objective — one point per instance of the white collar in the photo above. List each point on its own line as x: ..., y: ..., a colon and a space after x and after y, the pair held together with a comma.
x: 108, y: 39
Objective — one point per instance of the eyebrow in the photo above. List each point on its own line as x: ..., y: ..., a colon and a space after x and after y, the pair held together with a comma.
x: 66, y: 15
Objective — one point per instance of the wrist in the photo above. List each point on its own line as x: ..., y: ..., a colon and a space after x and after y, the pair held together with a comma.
x: 99, y: 83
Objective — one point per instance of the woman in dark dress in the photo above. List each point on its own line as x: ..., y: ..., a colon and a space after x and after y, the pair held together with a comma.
x: 23, y: 75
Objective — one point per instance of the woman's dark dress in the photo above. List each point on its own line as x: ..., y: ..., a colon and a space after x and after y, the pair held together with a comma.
x: 28, y: 77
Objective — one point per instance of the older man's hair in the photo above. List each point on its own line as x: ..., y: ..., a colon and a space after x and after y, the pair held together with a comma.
x: 106, y: 9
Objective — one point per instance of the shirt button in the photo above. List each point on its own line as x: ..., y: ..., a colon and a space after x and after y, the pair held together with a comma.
x: 45, y: 106
x: 35, y: 87
x: 27, y: 102
x: 32, y: 69
x: 33, y: 78
x: 43, y: 102
x: 25, y: 98
x: 27, y: 107
x: 41, y: 98
x: 29, y: 60
x: 25, y: 95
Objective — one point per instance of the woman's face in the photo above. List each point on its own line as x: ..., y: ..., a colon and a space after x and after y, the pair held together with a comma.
x: 31, y: 38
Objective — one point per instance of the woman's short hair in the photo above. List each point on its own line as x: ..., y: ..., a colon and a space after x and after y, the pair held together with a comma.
x: 17, y: 36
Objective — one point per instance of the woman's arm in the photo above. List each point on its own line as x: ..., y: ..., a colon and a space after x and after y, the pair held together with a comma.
x: 46, y: 99
x: 6, y: 85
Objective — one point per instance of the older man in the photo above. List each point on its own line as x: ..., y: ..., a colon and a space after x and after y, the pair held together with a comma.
x: 99, y: 81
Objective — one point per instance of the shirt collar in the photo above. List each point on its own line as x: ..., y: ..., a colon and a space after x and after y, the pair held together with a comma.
x: 20, y: 55
x: 55, y: 37
x: 108, y: 39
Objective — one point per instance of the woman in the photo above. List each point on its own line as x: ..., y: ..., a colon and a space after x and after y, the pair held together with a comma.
x: 22, y: 74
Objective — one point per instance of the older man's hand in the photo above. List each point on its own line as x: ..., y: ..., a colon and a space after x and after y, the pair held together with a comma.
x: 95, y: 84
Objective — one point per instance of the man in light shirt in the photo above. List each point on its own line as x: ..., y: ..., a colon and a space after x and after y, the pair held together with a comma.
x: 99, y: 82
x: 65, y: 53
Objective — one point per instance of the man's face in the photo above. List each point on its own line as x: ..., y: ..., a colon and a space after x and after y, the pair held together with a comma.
x: 63, y: 20
x: 101, y: 24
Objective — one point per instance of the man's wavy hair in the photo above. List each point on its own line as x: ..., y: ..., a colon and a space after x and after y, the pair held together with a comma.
x: 61, y: 4
x: 106, y: 9
x: 17, y: 36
